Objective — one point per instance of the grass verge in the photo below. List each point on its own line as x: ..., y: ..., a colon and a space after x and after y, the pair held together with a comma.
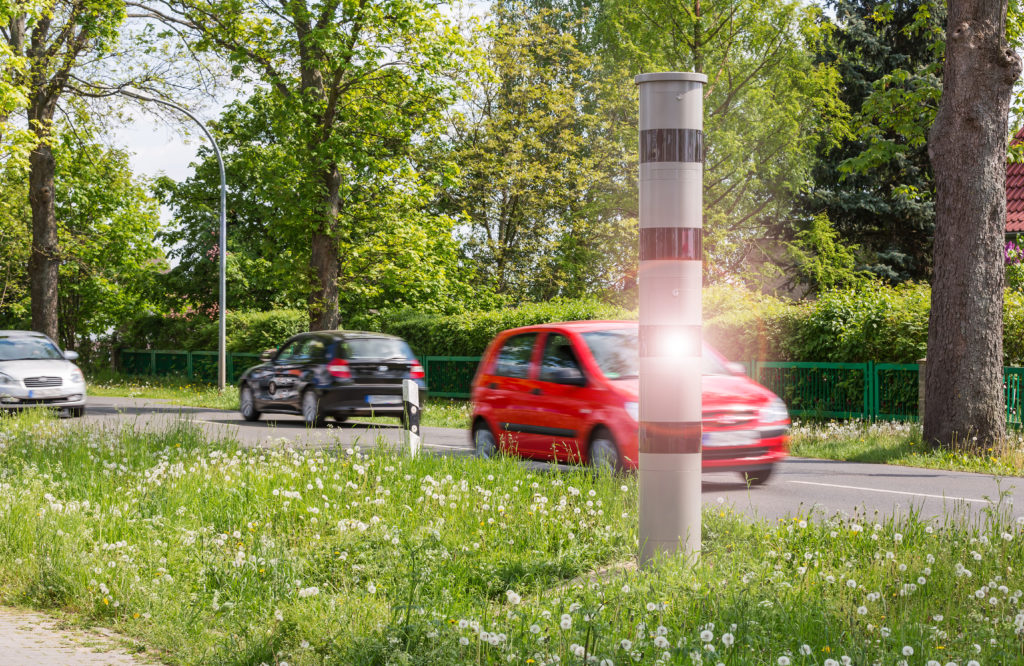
x: 898, y: 443
x: 215, y: 554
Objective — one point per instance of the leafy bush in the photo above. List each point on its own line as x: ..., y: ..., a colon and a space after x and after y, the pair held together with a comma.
x: 255, y: 331
x: 468, y: 333
x: 247, y: 331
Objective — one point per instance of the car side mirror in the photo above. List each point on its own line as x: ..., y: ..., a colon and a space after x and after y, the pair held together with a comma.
x: 70, y: 355
x: 736, y: 368
x: 570, y: 377
x: 268, y: 355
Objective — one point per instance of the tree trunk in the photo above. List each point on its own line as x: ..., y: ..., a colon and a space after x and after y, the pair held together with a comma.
x: 967, y: 147
x: 323, y: 301
x: 44, y: 262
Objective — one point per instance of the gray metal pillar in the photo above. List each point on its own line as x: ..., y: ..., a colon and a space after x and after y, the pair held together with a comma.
x: 671, y: 203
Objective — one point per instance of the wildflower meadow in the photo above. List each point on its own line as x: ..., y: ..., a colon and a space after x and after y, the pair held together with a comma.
x: 208, y: 553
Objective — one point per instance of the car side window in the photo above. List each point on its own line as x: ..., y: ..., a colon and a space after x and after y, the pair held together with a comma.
x: 310, y: 350
x: 514, y: 357
x: 290, y: 351
x: 559, y: 359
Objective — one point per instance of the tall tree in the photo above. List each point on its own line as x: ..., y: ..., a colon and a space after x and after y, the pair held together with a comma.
x: 876, y: 186
x: 543, y: 166
x: 392, y: 252
x: 768, y: 105
x: 351, y: 84
x: 51, y: 45
x: 964, y: 398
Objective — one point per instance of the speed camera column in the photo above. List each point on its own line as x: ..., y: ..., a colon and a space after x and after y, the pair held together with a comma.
x: 671, y: 182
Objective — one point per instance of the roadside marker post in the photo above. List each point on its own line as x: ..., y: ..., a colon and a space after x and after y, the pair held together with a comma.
x: 411, y: 408
x: 671, y: 203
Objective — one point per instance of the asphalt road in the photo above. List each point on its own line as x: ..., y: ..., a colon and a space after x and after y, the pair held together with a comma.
x: 799, y: 487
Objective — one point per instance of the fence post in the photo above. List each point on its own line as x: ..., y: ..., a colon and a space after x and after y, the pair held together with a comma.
x: 188, y: 364
x: 152, y: 362
x: 921, y: 364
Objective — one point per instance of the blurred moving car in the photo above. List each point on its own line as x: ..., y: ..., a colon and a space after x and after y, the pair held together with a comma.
x: 569, y: 392
x: 331, y: 373
x: 34, y: 372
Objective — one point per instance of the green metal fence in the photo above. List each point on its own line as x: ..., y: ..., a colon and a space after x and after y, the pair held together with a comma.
x: 198, y: 365
x: 886, y: 391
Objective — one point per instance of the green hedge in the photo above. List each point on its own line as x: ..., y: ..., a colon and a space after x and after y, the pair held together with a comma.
x: 247, y: 331
x: 874, y: 322
x: 467, y: 334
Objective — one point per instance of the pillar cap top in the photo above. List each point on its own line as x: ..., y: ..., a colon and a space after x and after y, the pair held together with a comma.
x: 671, y: 76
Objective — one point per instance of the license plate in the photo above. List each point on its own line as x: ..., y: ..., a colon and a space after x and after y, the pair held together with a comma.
x: 730, y: 438
x: 384, y: 399
x: 44, y: 393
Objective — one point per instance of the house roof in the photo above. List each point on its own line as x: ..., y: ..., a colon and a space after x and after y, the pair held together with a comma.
x: 1015, y: 192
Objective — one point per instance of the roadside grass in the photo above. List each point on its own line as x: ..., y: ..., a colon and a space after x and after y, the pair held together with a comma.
x: 211, y: 553
x: 437, y: 412
x: 898, y: 443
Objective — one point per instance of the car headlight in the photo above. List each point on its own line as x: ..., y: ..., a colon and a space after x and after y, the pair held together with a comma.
x: 7, y: 380
x: 774, y: 412
x: 633, y: 409
x: 77, y: 377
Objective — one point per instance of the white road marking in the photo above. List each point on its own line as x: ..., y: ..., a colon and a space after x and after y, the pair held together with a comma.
x: 892, y: 492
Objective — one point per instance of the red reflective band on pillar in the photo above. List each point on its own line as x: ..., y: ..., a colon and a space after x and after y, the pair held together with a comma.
x: 670, y: 437
x: 672, y: 341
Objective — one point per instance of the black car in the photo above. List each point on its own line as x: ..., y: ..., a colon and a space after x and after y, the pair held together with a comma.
x: 331, y: 373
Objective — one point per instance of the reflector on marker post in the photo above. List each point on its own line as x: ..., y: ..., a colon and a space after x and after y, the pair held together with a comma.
x: 671, y: 227
x: 411, y: 409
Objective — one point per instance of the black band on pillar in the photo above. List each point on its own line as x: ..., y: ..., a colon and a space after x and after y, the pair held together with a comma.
x: 671, y: 145
x: 684, y: 243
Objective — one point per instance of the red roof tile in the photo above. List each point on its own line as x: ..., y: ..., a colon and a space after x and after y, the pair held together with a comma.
x: 1015, y: 192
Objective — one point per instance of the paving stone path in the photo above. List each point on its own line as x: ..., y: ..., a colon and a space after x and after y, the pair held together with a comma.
x: 29, y: 638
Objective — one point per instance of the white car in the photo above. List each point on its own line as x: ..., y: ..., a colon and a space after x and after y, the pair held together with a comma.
x: 34, y: 372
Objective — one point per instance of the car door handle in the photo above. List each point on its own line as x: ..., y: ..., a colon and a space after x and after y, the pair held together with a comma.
x: 535, y: 391
x: 492, y: 385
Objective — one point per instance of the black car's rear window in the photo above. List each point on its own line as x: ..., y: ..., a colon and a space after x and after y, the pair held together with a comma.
x: 378, y: 348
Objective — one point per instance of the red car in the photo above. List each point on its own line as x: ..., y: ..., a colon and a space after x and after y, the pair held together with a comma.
x: 568, y: 392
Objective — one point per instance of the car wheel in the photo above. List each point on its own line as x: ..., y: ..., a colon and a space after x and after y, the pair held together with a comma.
x: 76, y: 412
x: 484, y: 442
x: 340, y: 418
x: 311, y: 409
x: 604, y: 454
x: 758, y: 476
x: 247, y: 404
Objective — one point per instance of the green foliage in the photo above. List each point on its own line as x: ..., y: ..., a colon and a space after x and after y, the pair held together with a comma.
x: 247, y: 331
x: 820, y: 258
x: 745, y: 324
x: 345, y: 96
x: 871, y: 322
x: 256, y: 331
x: 876, y: 185
x: 468, y: 333
x: 768, y: 105
x: 544, y: 164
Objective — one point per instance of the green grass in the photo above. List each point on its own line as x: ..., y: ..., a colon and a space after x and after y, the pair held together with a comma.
x: 213, y: 554
x: 437, y: 412
x: 900, y: 444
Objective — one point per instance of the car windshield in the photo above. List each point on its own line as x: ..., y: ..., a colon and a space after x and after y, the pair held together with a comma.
x: 379, y: 348
x: 615, y: 351
x: 26, y: 349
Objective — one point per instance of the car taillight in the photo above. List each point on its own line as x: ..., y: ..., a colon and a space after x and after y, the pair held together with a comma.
x: 416, y: 371
x: 339, y: 368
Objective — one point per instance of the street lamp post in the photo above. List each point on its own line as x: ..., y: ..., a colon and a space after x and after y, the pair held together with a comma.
x: 223, y: 243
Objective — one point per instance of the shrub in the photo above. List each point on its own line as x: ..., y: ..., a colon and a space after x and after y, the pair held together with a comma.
x: 468, y: 333
x: 252, y: 331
